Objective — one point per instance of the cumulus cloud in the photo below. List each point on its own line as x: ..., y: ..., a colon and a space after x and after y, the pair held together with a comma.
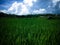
x: 29, y: 2
x: 40, y: 11
x: 20, y: 8
x: 32, y: 7
x: 24, y: 7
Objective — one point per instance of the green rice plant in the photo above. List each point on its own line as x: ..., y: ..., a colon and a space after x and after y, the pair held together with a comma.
x: 29, y: 31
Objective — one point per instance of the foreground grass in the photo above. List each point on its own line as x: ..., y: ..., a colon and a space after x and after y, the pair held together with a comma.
x: 29, y: 31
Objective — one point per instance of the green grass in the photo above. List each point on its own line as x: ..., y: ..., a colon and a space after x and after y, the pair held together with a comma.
x: 29, y: 31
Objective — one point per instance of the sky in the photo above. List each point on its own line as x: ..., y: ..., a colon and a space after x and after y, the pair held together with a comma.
x: 24, y: 7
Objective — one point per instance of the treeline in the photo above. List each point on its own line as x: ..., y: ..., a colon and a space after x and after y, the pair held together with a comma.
x: 6, y: 15
x: 29, y: 15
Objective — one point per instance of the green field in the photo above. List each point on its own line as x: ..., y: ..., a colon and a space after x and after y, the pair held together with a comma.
x: 29, y: 31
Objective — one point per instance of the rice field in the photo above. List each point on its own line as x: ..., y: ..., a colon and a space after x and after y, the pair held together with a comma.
x: 29, y: 31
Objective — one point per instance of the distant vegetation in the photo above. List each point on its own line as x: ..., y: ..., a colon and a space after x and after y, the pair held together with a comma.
x: 30, y: 29
x: 29, y: 15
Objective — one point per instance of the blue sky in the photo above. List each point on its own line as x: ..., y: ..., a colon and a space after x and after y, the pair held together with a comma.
x: 23, y: 7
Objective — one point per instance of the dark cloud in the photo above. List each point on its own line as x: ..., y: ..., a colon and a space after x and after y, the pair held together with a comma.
x: 57, y: 8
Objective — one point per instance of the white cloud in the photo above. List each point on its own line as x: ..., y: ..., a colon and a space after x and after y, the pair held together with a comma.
x: 20, y: 8
x: 3, y: 11
x: 55, y: 1
x: 29, y: 2
x: 40, y: 11
x: 13, y: 8
x: 24, y: 10
x: 49, y: 6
